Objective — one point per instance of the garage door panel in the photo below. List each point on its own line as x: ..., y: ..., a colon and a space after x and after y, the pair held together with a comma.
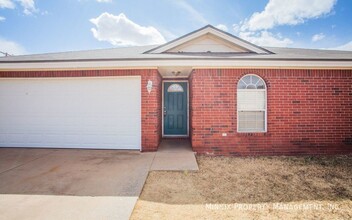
x: 79, y: 113
x: 70, y: 128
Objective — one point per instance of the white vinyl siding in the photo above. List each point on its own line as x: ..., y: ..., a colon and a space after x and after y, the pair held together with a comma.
x: 251, y: 105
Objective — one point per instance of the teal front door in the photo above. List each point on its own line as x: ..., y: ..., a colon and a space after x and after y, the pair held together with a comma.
x: 175, y: 109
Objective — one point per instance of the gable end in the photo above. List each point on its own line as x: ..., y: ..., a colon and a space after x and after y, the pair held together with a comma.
x: 209, y: 40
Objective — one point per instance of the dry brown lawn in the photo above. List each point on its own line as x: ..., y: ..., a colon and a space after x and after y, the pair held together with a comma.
x: 251, y: 188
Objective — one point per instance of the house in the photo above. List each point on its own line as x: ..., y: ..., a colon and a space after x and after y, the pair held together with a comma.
x: 228, y: 96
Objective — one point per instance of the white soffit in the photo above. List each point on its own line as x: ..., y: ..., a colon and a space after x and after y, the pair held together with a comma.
x: 222, y: 39
x: 175, y: 72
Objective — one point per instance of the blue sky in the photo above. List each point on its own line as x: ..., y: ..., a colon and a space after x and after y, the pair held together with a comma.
x: 41, y: 26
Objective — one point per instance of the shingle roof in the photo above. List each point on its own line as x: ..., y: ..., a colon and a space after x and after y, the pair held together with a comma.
x: 140, y: 56
x: 137, y: 53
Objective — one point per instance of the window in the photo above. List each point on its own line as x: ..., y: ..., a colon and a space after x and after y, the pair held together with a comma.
x: 251, y: 104
x: 175, y: 88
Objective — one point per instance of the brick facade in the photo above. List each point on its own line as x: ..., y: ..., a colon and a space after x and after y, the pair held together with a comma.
x: 308, y: 112
x: 151, y: 112
x: 151, y: 103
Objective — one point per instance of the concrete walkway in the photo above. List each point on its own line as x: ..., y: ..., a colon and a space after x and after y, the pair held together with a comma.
x: 54, y: 207
x: 175, y: 155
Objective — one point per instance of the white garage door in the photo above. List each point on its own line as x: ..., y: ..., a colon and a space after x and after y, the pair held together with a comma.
x: 100, y: 113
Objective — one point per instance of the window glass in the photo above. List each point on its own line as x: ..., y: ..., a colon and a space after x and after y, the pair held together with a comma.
x: 255, y: 79
x: 246, y: 80
x: 175, y: 88
x: 260, y: 85
x: 251, y: 121
x: 251, y: 82
x: 242, y: 85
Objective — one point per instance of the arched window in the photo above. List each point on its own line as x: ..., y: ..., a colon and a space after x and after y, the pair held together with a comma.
x: 251, y: 104
x: 175, y: 88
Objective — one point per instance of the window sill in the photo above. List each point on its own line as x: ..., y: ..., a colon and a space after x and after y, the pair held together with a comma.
x: 256, y: 133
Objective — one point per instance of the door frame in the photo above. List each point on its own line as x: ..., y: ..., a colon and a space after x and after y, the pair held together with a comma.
x: 162, y: 108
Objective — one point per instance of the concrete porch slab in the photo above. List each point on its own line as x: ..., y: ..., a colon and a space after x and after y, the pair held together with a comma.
x: 174, y: 155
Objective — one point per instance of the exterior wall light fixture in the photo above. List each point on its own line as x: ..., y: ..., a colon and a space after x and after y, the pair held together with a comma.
x: 149, y: 86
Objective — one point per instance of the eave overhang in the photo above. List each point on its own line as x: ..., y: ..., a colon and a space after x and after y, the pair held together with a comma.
x: 194, y: 63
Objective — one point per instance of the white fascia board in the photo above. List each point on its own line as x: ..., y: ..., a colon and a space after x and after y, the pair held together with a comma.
x: 154, y: 64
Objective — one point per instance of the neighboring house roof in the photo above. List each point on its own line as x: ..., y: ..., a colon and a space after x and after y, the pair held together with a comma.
x: 191, y: 50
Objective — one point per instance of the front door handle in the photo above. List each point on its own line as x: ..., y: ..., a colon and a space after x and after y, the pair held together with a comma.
x: 164, y: 112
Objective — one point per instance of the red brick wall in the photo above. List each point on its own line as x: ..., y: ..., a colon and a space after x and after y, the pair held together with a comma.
x: 151, y: 112
x: 191, y: 88
x: 151, y: 103
x: 309, y: 112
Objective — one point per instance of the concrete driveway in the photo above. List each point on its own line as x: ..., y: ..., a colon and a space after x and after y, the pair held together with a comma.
x: 70, y: 184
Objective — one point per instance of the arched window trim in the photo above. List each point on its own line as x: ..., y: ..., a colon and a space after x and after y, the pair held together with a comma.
x: 260, y: 79
x: 249, y: 91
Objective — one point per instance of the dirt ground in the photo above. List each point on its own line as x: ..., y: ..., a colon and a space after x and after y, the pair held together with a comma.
x: 251, y: 188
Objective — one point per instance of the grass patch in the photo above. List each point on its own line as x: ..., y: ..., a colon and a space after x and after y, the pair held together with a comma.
x: 268, y: 181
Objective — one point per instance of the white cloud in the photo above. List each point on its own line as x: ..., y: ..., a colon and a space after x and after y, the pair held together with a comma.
x: 44, y: 12
x: 265, y: 38
x: 7, y: 4
x: 104, y: 1
x: 196, y: 15
x: 318, y: 37
x: 11, y: 47
x: 222, y: 27
x: 281, y: 12
x: 347, y: 46
x: 168, y: 35
x: 237, y: 28
x: 28, y: 6
x: 120, y: 31
x: 2, y: 18
x: 287, y: 12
